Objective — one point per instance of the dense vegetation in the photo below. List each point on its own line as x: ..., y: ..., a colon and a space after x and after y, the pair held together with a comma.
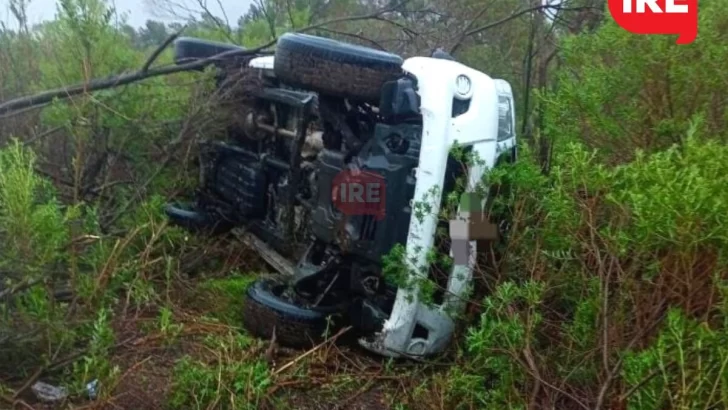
x: 611, y: 293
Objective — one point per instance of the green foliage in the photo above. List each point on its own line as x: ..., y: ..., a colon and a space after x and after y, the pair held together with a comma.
x: 641, y: 214
x: 492, y: 377
x: 685, y: 368
x: 233, y: 381
x: 677, y: 198
x: 95, y: 364
x: 36, y: 231
x: 32, y: 224
x: 659, y: 218
x: 227, y: 296
x: 84, y: 44
x: 619, y: 92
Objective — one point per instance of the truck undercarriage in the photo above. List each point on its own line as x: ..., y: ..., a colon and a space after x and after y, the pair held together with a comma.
x: 316, y: 119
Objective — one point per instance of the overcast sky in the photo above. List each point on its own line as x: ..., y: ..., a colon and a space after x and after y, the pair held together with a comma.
x: 138, y: 11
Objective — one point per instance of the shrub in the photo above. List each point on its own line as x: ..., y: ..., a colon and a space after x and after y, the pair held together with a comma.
x: 620, y: 92
x: 609, y: 250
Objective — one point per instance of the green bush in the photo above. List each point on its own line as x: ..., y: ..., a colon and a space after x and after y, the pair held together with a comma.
x: 620, y: 92
x: 633, y: 239
x: 33, y: 232
x: 31, y: 222
x: 625, y: 237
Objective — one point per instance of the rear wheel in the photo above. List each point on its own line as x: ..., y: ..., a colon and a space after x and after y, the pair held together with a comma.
x: 334, y: 68
x: 188, y: 217
x: 188, y: 49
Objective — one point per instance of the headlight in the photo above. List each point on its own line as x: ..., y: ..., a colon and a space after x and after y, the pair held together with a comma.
x: 463, y: 86
x: 505, y: 118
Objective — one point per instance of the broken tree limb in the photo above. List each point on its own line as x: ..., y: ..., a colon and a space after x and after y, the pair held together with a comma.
x: 124, y: 79
x: 145, y: 72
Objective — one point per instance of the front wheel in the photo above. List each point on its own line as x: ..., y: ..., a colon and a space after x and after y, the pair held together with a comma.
x: 267, y: 308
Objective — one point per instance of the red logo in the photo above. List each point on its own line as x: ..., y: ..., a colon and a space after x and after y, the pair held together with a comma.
x: 359, y: 193
x: 658, y: 17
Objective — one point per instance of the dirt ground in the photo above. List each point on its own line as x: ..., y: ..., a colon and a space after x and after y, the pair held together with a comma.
x: 148, y: 369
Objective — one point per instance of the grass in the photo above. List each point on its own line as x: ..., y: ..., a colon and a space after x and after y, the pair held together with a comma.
x: 226, y: 296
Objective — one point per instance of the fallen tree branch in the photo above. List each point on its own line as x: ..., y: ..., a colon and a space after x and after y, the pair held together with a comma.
x: 115, y: 81
x: 145, y: 72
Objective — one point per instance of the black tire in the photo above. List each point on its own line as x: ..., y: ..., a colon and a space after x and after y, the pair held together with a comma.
x: 187, y: 49
x: 264, y: 309
x: 333, y: 68
x: 196, y: 221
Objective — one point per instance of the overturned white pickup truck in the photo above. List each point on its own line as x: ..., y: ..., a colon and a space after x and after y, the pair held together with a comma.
x: 338, y: 153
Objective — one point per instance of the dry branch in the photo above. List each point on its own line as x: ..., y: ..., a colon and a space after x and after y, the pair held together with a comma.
x: 473, y: 31
x: 312, y: 350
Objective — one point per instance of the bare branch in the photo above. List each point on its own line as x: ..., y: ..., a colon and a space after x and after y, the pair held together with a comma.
x: 226, y: 27
x: 161, y: 48
x: 519, y: 13
x: 614, y: 372
x: 464, y: 34
x: 224, y: 15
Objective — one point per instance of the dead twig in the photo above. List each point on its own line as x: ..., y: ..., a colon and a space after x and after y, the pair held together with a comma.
x: 536, y: 375
x: 54, y: 366
x: 42, y: 135
x: 32, y: 379
x: 15, y: 113
x: 470, y: 25
x: 311, y: 351
x: 17, y: 402
x: 367, y: 386
x: 270, y: 351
